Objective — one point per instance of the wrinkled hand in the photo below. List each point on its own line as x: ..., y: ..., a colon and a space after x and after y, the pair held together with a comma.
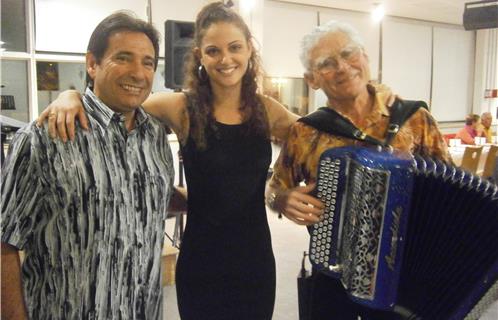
x: 297, y: 205
x: 61, y: 115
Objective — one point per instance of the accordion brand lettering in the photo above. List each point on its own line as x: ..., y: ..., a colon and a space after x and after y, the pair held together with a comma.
x: 394, y: 239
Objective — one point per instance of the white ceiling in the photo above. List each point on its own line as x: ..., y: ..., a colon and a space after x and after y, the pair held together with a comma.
x: 446, y: 11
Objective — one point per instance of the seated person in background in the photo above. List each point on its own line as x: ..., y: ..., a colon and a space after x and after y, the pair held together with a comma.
x: 486, y: 120
x: 336, y: 62
x: 469, y: 132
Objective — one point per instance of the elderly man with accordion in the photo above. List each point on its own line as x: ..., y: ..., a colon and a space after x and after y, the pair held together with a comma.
x: 396, y: 231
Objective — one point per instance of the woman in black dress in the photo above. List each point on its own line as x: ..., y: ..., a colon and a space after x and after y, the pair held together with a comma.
x: 226, y: 268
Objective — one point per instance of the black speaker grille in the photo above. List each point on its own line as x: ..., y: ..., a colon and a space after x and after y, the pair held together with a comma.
x: 178, y: 41
x: 480, y: 15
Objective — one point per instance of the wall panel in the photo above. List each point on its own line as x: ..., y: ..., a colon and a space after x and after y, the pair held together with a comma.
x: 284, y: 27
x: 66, y: 25
x: 453, y: 75
x: 406, y: 58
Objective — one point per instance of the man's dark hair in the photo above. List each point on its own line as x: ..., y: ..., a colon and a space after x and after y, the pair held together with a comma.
x: 116, y: 22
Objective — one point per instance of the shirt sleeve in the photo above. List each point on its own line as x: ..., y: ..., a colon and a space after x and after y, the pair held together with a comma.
x: 287, y: 170
x: 21, y: 189
x: 432, y: 141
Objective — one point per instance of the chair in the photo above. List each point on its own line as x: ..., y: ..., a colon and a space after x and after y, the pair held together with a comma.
x: 490, y: 164
x: 471, y: 157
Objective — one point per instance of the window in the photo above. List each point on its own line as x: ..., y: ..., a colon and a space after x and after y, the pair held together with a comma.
x: 14, y: 25
x: 14, y: 86
x: 55, y: 77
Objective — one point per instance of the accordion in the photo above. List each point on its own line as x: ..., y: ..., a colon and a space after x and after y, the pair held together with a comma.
x: 402, y: 233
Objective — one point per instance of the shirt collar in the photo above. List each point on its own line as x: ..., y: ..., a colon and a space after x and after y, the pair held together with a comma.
x: 379, y: 109
x: 103, y: 114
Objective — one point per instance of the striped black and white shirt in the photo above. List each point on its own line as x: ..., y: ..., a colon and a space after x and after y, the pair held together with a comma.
x: 89, y: 215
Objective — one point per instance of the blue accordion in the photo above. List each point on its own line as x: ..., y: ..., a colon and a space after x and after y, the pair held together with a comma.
x: 411, y: 235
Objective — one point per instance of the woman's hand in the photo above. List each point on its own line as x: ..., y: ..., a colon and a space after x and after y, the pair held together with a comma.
x: 297, y: 205
x: 61, y: 114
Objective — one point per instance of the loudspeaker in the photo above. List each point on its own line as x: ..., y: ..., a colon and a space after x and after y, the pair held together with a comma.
x: 480, y: 15
x: 178, y: 40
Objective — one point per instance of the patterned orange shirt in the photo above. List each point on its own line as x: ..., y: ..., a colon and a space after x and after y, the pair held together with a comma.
x: 298, y: 160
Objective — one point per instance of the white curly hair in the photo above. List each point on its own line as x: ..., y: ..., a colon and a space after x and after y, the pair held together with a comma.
x: 311, y: 39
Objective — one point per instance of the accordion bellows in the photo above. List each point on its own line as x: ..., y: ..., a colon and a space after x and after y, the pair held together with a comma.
x: 412, y: 235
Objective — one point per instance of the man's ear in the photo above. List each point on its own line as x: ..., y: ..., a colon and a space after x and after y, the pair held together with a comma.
x: 311, y: 80
x: 91, y: 64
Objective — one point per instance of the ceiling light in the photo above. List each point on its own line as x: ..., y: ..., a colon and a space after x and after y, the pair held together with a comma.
x: 247, y: 5
x: 378, y: 12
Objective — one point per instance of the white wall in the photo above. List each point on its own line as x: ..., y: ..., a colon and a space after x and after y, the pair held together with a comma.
x: 486, y: 66
x: 284, y: 27
x: 453, y: 74
x: 406, y: 58
x: 66, y: 25
x: 421, y: 60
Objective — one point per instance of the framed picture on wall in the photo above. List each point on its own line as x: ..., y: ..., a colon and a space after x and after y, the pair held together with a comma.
x: 47, y: 75
x: 291, y: 92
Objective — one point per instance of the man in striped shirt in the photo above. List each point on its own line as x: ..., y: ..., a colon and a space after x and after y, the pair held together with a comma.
x: 89, y: 214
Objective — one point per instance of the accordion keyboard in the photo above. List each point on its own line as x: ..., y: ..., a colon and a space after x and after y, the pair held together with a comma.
x: 321, y: 236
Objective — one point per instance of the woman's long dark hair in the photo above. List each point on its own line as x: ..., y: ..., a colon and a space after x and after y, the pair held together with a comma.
x: 201, y: 113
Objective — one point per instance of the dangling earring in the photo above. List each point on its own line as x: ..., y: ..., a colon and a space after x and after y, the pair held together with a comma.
x: 202, y: 74
x: 249, y: 66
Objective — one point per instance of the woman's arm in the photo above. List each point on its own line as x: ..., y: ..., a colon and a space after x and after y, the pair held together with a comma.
x: 62, y: 113
x: 279, y: 117
x: 171, y: 109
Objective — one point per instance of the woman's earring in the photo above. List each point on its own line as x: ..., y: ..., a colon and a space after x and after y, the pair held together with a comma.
x: 202, y: 74
x: 249, y: 66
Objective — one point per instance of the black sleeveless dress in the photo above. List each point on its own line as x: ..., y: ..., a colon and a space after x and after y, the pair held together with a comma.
x: 226, y: 267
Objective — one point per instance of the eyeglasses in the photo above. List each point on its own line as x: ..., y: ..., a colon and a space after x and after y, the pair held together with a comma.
x: 331, y: 64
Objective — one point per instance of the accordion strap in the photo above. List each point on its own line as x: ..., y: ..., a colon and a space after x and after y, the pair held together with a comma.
x: 330, y: 121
